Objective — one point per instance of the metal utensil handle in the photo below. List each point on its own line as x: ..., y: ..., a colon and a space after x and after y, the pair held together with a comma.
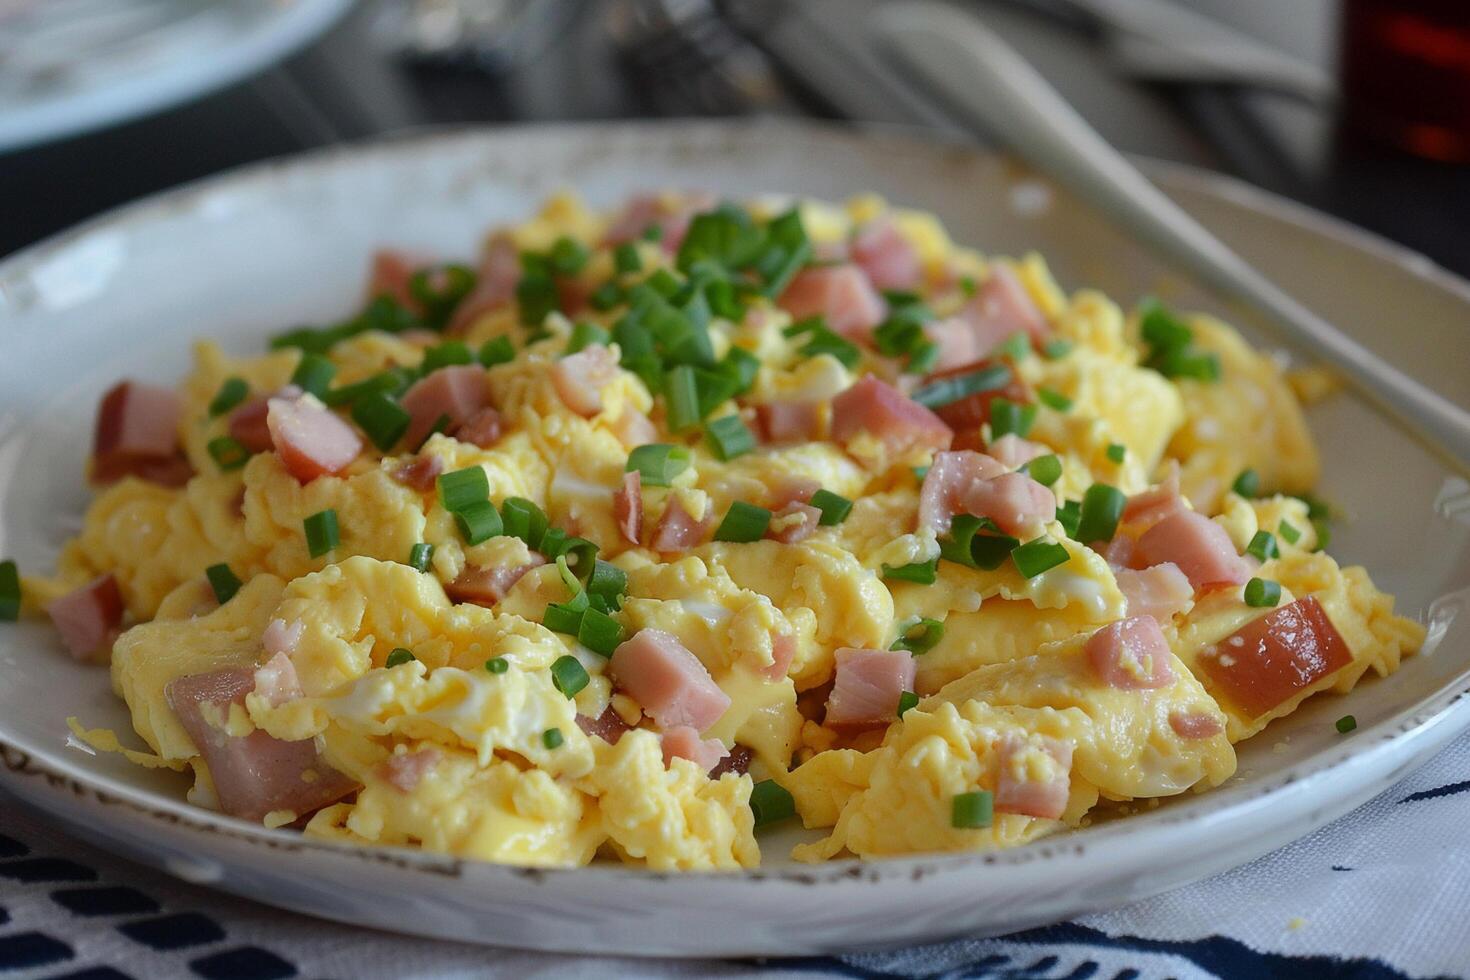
x: 983, y: 76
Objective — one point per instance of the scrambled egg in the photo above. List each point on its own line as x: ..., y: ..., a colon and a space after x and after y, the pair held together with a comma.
x: 471, y: 719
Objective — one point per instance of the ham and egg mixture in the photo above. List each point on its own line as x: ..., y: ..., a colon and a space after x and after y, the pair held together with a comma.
x: 656, y: 528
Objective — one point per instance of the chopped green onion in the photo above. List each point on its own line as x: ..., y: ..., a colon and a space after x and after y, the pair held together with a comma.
x: 948, y: 390
x: 606, y: 296
x: 919, y: 472
x: 389, y: 382
x: 420, y: 555
x: 682, y: 393
x: 568, y: 579
x: 1016, y: 346
x: 922, y: 358
x: 825, y: 341
x: 653, y: 233
x: 1288, y: 532
x: 553, y: 539
x: 922, y: 572
x: 497, y: 351
x: 314, y: 373
x: 1117, y: 452
x: 561, y: 617
x: 1007, y: 416
x: 972, y: 811
x: 9, y: 591
x: 658, y: 463
x: 227, y: 452
x: 1039, y: 555
x: 728, y: 437
x: 1248, y: 483
x: 834, y: 507
x: 1045, y: 470
x: 1102, y: 508
x: 607, y: 579
x: 968, y: 285
x: 907, y: 700
x: 223, y: 581
x: 521, y: 518
x: 1263, y: 546
x: 725, y: 236
x: 579, y: 552
x: 1055, y: 350
x: 743, y: 522
x: 383, y: 419
x: 536, y: 295
x: 966, y: 545
x: 551, y: 738
x: 447, y: 354
x: 231, y: 393
x: 1346, y: 724
x: 399, y: 656
x: 918, y: 636
x: 568, y: 674
x: 568, y: 256
x: 713, y: 389
x: 663, y: 282
x: 1324, y: 534
x: 1262, y: 593
x: 1183, y: 364
x: 584, y: 335
x: 321, y: 532
x: 771, y: 803
x: 1161, y: 328
x: 741, y: 366
x: 478, y: 522
x: 461, y: 488
x: 1054, y: 399
x: 1069, y: 515
x: 626, y: 260
x: 439, y: 289
x: 497, y: 665
x: 599, y: 632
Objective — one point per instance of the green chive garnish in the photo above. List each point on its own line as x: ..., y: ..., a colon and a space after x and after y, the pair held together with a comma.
x: 606, y: 579
x: 1055, y: 350
x: 606, y: 296
x: 447, y: 354
x: 321, y: 532
x: 1016, y: 346
x: 438, y: 290
x: 1262, y: 593
x: 9, y: 591
x: 1069, y: 515
x: 569, y: 676
x: 976, y: 543
x: 948, y: 390
x: 918, y: 636
x: 834, y: 507
x: 521, y: 518
x: 682, y: 394
x: 967, y: 285
x: 771, y: 803
x: 1171, y: 345
x: 497, y: 351
x: 907, y: 700
x: 1346, y: 724
x: 1054, y: 399
x: 599, y: 632
x: 478, y: 522
x: 1288, y: 532
x: 1263, y: 546
x: 1007, y: 416
x: 657, y: 463
x: 825, y: 341
x: 1035, y: 557
x: 223, y: 581
x: 551, y: 738
x: 390, y: 382
x: 314, y: 373
x: 1247, y: 484
x: 972, y: 811
x: 461, y: 488
x: 231, y: 393
x: 497, y: 665
x: 399, y: 655
x: 728, y: 437
x: 1117, y: 452
x: 584, y: 335
x: 626, y: 260
x: 743, y: 522
x: 1045, y: 470
x: 420, y: 555
x: 383, y: 419
x: 568, y: 256
x: 922, y: 572
x: 228, y: 452
x: 1102, y: 508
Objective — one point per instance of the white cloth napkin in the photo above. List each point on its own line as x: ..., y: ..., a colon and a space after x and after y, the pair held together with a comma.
x: 1382, y: 893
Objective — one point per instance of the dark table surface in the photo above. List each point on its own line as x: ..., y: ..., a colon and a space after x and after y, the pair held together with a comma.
x: 348, y: 86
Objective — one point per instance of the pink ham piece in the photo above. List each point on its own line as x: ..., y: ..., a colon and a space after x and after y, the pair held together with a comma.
x: 958, y: 345
x: 248, y: 422
x: 783, y: 651
x: 404, y: 771
x: 1000, y: 308
x: 683, y: 742
x: 841, y: 294
x: 137, y: 430
x: 1195, y: 724
x: 253, y: 774
x: 888, y: 258
x: 456, y: 392
x: 671, y: 684
x: 419, y: 473
x: 276, y: 679
x: 628, y: 507
x: 389, y: 276
x: 1043, y: 798
x: 1160, y: 591
x: 1119, y: 553
x: 495, y: 284
x: 789, y: 421
x: 579, y: 378
x: 672, y: 216
x: 947, y: 485
x: 608, y: 726
x: 677, y: 530
x: 788, y: 489
x: 481, y: 429
x: 281, y: 636
x: 1014, y: 451
x: 487, y: 586
x: 897, y: 421
x: 1201, y: 548
x: 795, y: 531
x: 1147, y: 508
x: 310, y: 440
x: 88, y: 618
x: 868, y: 686
x: 972, y: 483
x: 1131, y: 655
x: 633, y: 429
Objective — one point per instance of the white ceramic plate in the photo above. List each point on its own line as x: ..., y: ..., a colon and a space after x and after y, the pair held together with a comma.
x: 69, y: 66
x: 243, y: 255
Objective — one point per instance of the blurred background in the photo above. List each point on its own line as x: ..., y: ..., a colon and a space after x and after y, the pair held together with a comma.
x: 1358, y: 107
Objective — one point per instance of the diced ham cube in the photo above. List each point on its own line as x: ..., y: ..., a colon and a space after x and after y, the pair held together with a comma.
x: 899, y: 422
x: 1147, y: 508
x: 1034, y: 780
x: 391, y: 270
x: 1195, y: 724
x: 579, y: 378
x: 1016, y: 503
x: 89, y: 617
x: 1000, y: 308
x: 454, y: 393
x: 633, y: 429
x: 248, y: 422
x: 868, y: 686
x: 677, y: 530
x: 281, y: 636
x: 888, y: 258
x: 310, y: 440
x: 495, y: 284
x: 137, y: 428
x: 404, y: 771
x: 1119, y: 554
x: 608, y: 726
x: 419, y: 472
x: 788, y: 489
x: 1272, y: 658
x: 487, y: 586
x: 789, y: 421
x: 1160, y: 591
x: 947, y: 485
x: 1201, y: 548
x: 683, y: 742
x: 670, y: 683
x: 253, y: 774
x: 628, y: 506
x: 276, y: 680
x: 783, y: 651
x: 1014, y: 451
x: 1131, y: 655
x: 841, y: 294
x: 957, y: 343
x: 481, y: 429
x: 787, y: 530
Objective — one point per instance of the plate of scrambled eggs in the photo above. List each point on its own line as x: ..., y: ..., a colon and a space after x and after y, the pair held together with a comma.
x: 701, y: 539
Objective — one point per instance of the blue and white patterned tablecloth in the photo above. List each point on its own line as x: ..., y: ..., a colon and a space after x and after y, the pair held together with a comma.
x: 1382, y: 893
